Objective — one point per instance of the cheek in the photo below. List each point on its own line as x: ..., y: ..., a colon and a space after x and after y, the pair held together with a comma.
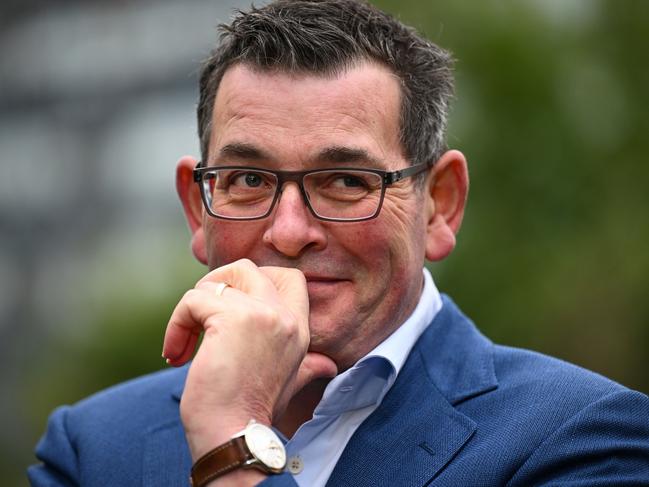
x: 230, y: 241
x: 367, y: 242
x: 406, y: 229
x: 393, y: 239
x: 386, y: 249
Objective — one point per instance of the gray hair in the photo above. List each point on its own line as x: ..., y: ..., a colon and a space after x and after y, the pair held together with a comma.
x: 326, y: 37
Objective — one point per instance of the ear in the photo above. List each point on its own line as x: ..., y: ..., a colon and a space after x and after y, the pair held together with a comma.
x: 447, y: 189
x: 190, y: 197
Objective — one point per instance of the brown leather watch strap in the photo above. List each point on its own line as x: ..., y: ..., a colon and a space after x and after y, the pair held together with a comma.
x: 219, y: 461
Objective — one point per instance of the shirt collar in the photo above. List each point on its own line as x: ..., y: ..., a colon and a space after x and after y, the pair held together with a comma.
x: 396, y: 348
x: 367, y: 382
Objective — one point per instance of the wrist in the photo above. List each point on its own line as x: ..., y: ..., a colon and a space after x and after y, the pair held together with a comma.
x: 255, y: 447
x: 204, y: 433
x: 202, y: 440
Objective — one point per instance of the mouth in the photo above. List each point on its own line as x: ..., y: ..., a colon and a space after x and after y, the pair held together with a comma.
x: 323, y: 286
x: 311, y: 278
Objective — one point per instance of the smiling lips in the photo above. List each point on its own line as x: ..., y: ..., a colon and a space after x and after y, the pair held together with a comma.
x: 319, y: 286
x: 321, y: 279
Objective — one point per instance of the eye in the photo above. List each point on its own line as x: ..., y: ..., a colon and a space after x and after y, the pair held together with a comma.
x: 348, y: 181
x: 248, y: 179
x: 352, y: 181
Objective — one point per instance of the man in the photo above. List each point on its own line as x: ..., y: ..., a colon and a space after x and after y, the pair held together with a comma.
x: 324, y: 184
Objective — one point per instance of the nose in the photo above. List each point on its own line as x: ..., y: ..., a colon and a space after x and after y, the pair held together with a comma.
x: 293, y: 228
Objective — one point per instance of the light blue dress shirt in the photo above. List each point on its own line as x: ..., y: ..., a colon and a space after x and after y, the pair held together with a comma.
x: 353, y: 395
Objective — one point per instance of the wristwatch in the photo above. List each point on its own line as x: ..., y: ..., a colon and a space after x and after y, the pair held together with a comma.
x: 257, y: 446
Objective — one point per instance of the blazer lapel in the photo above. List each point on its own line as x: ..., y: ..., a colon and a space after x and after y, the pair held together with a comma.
x: 416, y: 431
x: 166, y: 459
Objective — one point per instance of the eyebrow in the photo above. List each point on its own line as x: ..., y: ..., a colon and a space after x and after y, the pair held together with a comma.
x: 241, y: 150
x: 341, y: 154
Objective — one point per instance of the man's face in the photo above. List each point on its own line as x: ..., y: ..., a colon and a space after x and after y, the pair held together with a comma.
x: 363, y: 278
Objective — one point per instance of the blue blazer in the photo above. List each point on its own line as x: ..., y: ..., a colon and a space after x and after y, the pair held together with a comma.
x: 462, y: 412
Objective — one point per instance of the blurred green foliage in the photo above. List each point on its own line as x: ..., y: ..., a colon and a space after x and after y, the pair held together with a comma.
x: 551, y: 113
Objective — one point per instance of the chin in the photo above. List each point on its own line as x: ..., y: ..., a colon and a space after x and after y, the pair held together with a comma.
x: 323, y: 339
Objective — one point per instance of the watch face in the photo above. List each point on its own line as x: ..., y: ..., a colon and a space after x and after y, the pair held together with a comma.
x: 266, y: 446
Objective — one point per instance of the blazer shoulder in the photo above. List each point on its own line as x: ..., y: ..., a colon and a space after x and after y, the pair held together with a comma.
x: 138, y: 402
x: 523, y: 370
x: 106, y: 438
x: 552, y: 422
x: 542, y: 393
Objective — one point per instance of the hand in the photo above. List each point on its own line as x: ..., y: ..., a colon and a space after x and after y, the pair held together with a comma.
x: 254, y: 354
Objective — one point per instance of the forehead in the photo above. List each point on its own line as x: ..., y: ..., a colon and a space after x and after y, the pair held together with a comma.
x: 292, y: 117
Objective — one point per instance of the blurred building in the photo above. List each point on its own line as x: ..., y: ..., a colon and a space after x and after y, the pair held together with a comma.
x: 96, y: 104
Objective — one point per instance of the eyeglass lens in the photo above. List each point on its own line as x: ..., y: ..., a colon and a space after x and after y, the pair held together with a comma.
x: 335, y: 194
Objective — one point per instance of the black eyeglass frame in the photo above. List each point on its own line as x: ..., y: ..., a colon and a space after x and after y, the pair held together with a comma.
x: 387, y: 179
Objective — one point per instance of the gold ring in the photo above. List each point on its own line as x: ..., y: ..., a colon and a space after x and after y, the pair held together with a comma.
x: 220, y: 288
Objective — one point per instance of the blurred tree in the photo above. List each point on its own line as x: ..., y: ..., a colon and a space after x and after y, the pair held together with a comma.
x: 550, y: 112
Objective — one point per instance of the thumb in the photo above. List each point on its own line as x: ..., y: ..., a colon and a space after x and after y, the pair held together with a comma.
x: 314, y: 366
x: 291, y: 286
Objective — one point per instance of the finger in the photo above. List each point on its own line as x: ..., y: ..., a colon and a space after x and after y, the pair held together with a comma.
x: 245, y: 276
x: 189, y: 319
x: 190, y: 345
x: 291, y: 286
x: 314, y: 366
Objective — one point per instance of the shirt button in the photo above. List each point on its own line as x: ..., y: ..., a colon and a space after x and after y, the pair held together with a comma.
x: 295, y: 465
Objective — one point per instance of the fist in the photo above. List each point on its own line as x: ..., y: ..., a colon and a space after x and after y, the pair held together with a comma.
x: 254, y: 354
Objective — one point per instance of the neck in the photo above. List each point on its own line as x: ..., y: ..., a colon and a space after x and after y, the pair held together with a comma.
x: 300, y: 408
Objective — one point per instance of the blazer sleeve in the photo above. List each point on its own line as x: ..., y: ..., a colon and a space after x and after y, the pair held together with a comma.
x: 59, y: 467
x: 606, y: 443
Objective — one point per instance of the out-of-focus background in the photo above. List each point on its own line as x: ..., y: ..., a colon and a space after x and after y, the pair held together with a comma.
x: 97, y: 103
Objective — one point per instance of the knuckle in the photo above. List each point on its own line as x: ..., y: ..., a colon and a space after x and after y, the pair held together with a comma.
x: 191, y: 298
x: 204, y: 285
x: 265, y: 316
x: 211, y: 324
x: 279, y: 322
x: 245, y: 264
x: 291, y: 325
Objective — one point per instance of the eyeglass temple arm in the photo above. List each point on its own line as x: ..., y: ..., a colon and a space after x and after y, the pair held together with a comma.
x: 197, y: 172
x: 393, y: 177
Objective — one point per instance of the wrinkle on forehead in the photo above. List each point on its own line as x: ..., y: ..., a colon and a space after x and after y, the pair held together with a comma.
x: 359, y: 108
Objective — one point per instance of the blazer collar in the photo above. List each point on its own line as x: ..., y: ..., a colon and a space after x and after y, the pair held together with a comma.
x: 416, y: 431
x: 457, y: 357
x: 166, y: 459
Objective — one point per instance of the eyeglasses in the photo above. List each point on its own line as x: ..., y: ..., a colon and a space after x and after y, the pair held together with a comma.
x: 338, y: 194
